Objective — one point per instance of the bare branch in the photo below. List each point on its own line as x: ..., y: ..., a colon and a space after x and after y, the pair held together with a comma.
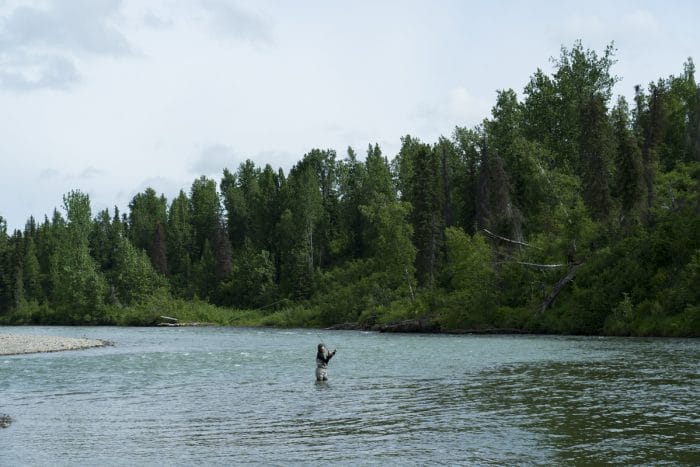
x: 534, y: 265
x: 515, y: 242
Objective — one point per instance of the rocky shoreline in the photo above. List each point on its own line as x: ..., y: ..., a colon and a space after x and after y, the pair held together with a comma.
x: 16, y: 344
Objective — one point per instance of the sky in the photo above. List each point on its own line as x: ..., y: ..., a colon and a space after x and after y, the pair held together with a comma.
x: 111, y: 97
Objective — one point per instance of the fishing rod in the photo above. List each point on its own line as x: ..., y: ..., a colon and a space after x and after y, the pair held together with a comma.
x: 320, y: 339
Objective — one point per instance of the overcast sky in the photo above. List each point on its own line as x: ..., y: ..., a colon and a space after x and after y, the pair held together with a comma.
x: 111, y: 97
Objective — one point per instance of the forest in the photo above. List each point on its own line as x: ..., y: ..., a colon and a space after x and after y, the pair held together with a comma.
x: 565, y: 211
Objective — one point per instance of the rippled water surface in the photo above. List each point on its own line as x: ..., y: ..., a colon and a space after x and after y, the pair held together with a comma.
x: 221, y: 396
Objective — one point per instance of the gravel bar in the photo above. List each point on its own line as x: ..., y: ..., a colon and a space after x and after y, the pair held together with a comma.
x: 14, y: 344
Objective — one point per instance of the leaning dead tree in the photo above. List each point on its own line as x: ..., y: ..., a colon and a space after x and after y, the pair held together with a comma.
x: 549, y: 301
x: 558, y: 287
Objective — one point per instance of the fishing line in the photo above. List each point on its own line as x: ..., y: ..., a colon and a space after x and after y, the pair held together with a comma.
x: 328, y: 347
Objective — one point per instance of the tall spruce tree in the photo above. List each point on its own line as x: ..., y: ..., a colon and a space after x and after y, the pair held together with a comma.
x: 179, y: 231
x: 147, y: 211
x: 427, y: 214
x: 628, y: 174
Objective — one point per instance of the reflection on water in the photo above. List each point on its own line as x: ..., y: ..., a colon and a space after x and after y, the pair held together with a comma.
x: 219, y: 396
x: 590, y: 413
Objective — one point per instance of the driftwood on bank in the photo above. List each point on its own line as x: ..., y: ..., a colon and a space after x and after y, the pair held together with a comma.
x: 559, y: 286
x: 192, y: 324
x: 408, y: 325
x: 174, y: 322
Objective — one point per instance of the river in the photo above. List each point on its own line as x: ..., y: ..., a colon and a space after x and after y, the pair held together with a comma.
x: 223, y: 396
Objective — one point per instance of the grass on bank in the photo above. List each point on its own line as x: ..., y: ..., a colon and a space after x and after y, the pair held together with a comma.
x: 439, y: 311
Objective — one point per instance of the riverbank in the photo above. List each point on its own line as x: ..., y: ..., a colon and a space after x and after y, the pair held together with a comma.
x: 15, y: 344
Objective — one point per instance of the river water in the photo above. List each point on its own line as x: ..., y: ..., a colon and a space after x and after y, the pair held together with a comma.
x: 222, y: 396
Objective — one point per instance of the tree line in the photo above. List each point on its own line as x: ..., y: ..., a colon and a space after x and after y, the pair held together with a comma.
x: 564, y: 211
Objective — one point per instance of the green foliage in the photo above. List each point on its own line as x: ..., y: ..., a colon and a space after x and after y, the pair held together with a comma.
x: 471, y: 279
x: 78, y: 287
x: 134, y: 278
x: 252, y: 283
x: 388, y: 239
x: 204, y: 215
x: 629, y: 171
x: 147, y: 211
x: 179, y: 247
x: 591, y: 215
x: 345, y: 293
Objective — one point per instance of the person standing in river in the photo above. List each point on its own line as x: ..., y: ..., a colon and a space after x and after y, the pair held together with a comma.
x: 322, y: 359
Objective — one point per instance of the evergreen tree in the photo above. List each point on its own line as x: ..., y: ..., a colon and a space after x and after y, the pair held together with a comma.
x: 159, y: 250
x: 466, y: 176
x: 298, y: 226
x: 241, y: 194
x: 135, y: 279
x: 650, y: 123
x: 179, y: 247
x: 471, y: 275
x: 78, y: 287
x: 426, y: 197
x: 252, y: 284
x: 204, y: 273
x: 392, y: 251
x: 268, y: 208
x: 351, y: 174
x: 628, y: 185
x: 107, y: 232
x: 596, y: 156
x: 147, y: 211
x: 205, y: 214
x: 5, y: 277
x: 31, y: 272
x: 495, y: 209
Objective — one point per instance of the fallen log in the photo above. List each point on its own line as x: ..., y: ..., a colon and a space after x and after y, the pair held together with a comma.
x: 408, y: 325
x: 184, y: 324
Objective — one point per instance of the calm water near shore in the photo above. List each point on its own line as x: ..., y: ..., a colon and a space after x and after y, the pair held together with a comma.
x: 221, y: 396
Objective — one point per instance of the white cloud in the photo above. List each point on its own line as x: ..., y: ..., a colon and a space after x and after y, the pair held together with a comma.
x: 90, y: 172
x: 48, y: 174
x: 168, y: 187
x: 153, y: 20
x: 457, y: 107
x: 465, y: 107
x: 84, y: 26
x: 31, y: 71
x: 214, y: 159
x: 642, y: 22
x: 598, y: 30
x: 41, y: 47
x: 277, y: 159
x: 227, y: 19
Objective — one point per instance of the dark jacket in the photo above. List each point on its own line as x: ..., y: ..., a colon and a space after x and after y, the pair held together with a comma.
x: 322, y: 359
